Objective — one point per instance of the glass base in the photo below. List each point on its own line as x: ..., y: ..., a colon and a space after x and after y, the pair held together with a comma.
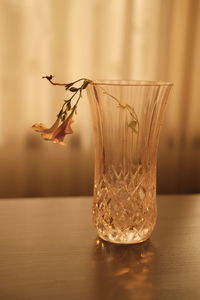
x: 126, y: 237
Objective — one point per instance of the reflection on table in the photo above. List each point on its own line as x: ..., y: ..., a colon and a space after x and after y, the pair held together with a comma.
x: 123, y: 271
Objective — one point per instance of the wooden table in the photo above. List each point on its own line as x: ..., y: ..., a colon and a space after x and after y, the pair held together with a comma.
x: 49, y: 250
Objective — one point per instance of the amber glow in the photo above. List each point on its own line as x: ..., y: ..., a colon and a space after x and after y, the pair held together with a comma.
x: 139, y: 39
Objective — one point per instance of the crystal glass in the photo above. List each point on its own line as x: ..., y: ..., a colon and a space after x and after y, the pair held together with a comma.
x: 127, y: 118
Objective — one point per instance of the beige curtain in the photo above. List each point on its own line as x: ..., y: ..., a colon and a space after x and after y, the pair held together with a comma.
x: 138, y: 39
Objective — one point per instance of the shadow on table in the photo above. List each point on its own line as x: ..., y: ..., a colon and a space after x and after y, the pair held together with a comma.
x: 123, y: 271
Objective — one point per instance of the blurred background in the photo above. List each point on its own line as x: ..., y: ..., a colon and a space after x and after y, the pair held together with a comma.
x: 97, y: 39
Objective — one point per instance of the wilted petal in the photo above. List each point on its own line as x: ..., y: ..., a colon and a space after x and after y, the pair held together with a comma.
x: 55, y: 133
x: 45, y: 132
x: 65, y: 128
x: 68, y: 129
x: 59, y: 141
x: 53, y: 127
x: 39, y: 127
x: 47, y: 136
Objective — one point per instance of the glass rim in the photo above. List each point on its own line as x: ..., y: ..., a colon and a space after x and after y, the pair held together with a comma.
x: 119, y: 82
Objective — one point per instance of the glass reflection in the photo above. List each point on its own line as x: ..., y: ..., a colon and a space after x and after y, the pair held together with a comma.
x: 123, y: 271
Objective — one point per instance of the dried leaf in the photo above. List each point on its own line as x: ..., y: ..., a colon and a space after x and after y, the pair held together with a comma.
x: 73, y: 89
x: 67, y: 86
x: 85, y: 84
x: 69, y: 105
x: 133, y: 125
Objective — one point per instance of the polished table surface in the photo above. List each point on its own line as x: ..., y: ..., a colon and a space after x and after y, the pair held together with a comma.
x: 49, y: 250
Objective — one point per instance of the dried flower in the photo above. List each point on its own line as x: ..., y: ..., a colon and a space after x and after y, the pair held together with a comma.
x: 57, y: 132
x: 62, y: 126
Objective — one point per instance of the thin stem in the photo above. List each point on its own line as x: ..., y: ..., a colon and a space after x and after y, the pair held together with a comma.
x: 49, y: 78
x: 126, y: 106
x: 79, y: 97
x: 73, y: 95
x: 69, y: 86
